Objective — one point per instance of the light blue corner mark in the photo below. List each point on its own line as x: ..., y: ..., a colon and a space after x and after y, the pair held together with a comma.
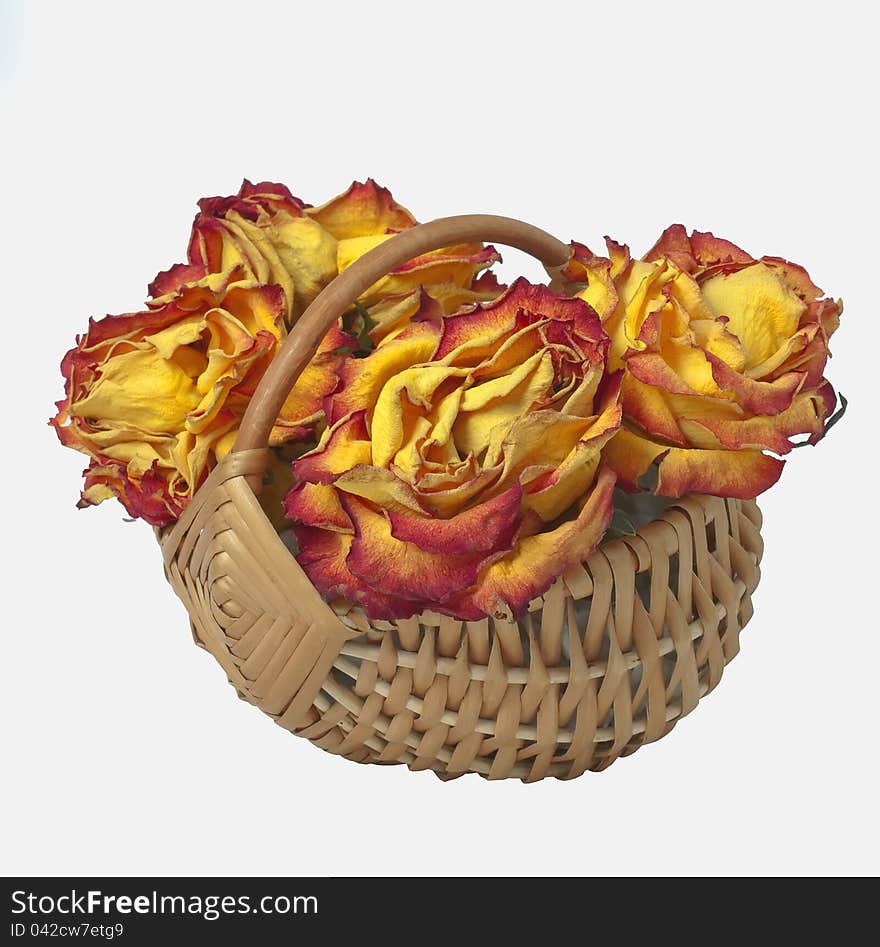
x: 10, y: 35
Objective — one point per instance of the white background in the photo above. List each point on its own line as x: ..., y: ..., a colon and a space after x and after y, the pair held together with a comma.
x: 126, y: 750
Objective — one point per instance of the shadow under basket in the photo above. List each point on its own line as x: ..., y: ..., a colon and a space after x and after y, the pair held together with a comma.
x: 610, y: 658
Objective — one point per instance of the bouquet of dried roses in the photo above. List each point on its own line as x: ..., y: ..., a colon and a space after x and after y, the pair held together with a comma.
x: 455, y: 450
x: 154, y: 397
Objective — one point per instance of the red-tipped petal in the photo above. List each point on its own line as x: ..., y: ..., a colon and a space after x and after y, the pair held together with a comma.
x: 629, y: 455
x: 363, y: 210
x: 523, y: 303
x: 344, y: 446
x: 674, y: 244
x: 761, y: 432
x: 757, y: 397
x: 252, y: 198
x: 401, y: 569
x: 647, y: 406
x: 743, y: 474
x: 314, y: 504
x: 709, y: 250
x: 487, y: 527
x: 508, y: 585
x: 173, y: 279
x: 322, y: 556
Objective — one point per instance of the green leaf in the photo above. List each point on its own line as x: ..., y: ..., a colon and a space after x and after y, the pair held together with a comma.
x: 357, y: 322
x: 838, y: 414
x: 621, y: 525
x: 367, y: 322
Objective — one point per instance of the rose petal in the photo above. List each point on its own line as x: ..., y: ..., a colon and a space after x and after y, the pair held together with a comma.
x: 401, y: 569
x: 381, y: 487
x: 342, y: 447
x: 302, y: 408
x: 362, y: 210
x: 803, y: 416
x: 322, y: 556
x: 486, y: 527
x: 647, y: 406
x: 762, y: 311
x: 743, y: 474
x: 361, y: 380
x: 630, y: 455
x: 314, y: 504
x: 506, y: 587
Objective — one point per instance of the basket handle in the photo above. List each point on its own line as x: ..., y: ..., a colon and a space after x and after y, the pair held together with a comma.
x: 306, y: 335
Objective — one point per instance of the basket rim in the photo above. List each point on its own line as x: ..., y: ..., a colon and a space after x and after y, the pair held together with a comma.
x: 573, y: 578
x: 247, y: 466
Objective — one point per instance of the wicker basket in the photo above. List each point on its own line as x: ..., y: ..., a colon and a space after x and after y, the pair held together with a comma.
x: 611, y: 657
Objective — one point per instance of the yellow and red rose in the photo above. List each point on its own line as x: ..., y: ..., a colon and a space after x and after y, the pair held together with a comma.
x: 279, y: 239
x: 724, y: 356
x: 155, y: 397
x: 461, y: 470
x: 263, y: 230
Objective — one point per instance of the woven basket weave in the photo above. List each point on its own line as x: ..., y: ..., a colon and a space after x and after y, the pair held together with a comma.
x: 609, y: 658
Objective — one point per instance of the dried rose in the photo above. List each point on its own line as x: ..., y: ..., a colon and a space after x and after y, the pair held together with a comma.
x: 279, y: 239
x: 155, y: 398
x: 461, y: 471
x: 724, y: 357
